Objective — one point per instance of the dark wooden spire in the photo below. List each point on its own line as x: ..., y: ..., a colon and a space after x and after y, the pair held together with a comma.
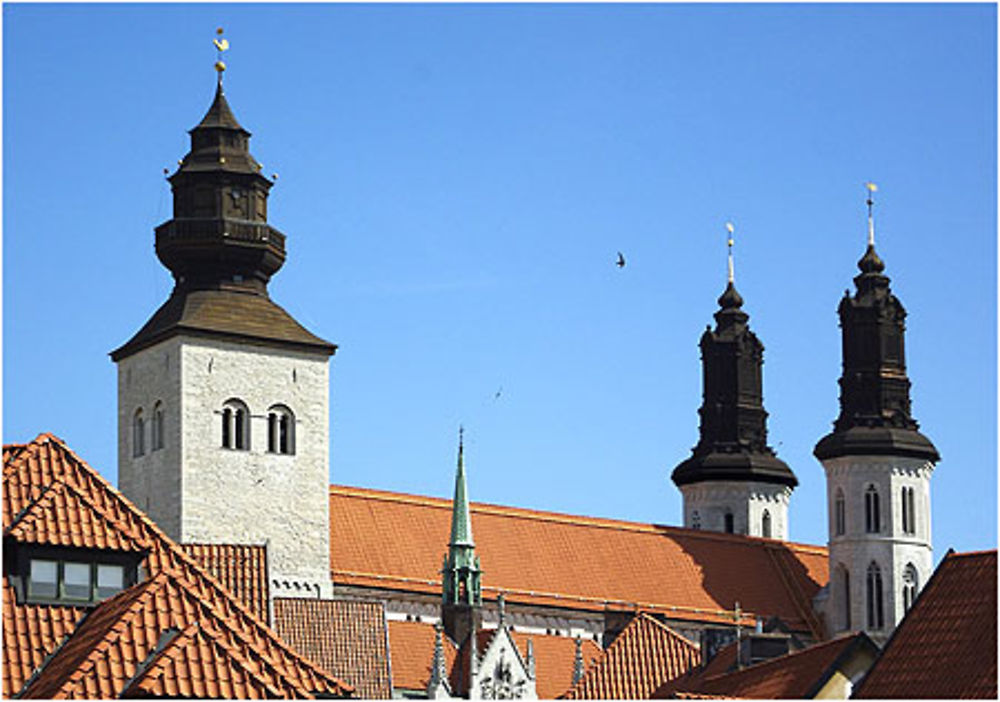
x: 875, y: 414
x: 733, y: 443
x: 219, y: 246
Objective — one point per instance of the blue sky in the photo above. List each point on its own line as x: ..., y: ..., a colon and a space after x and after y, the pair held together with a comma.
x: 455, y: 181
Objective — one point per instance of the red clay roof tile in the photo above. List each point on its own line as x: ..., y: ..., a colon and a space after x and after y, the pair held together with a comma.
x: 346, y: 637
x: 946, y: 646
x: 796, y: 675
x: 535, y: 557
x: 241, y: 568
x: 47, y: 465
x: 411, y: 645
x: 641, y: 658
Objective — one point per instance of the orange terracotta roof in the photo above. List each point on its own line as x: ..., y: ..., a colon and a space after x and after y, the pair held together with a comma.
x: 395, y: 541
x: 346, y: 637
x: 30, y: 633
x: 795, y: 675
x: 412, y: 648
x: 241, y: 568
x: 946, y: 646
x: 642, y: 657
x: 554, y: 658
x: 44, y: 480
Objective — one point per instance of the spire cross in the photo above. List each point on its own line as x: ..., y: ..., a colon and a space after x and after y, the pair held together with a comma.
x: 729, y: 241
x: 871, y: 188
x: 220, y: 46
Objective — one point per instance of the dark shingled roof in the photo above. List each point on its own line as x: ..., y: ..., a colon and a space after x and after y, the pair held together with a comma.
x: 240, y: 316
x: 220, y: 115
x: 946, y: 646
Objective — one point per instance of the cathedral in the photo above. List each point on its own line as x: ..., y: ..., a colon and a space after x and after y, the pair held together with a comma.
x: 223, y: 464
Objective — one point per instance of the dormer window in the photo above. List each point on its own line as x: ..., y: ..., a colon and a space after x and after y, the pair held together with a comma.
x: 280, y: 430
x: 75, y: 576
x: 235, y: 425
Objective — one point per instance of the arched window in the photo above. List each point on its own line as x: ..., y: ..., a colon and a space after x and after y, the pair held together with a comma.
x: 695, y: 520
x: 839, y: 513
x: 845, y: 580
x: 729, y: 522
x: 235, y: 425
x: 909, y: 516
x: 909, y: 586
x: 765, y: 525
x: 138, y: 433
x: 872, y: 519
x: 157, y: 426
x: 876, y: 619
x: 280, y: 430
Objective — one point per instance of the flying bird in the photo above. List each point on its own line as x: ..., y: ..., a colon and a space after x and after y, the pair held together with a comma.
x: 621, y: 260
x: 497, y: 395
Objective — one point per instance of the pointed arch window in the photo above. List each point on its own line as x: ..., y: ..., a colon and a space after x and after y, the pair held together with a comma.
x: 138, y: 433
x: 729, y: 522
x: 839, y: 513
x: 909, y: 515
x: 765, y: 525
x: 876, y: 619
x: 280, y: 430
x: 909, y: 586
x: 235, y: 425
x: 845, y: 579
x: 157, y: 429
x: 872, y: 516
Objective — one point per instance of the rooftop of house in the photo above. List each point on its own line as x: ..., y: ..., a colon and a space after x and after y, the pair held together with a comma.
x: 177, y: 632
x: 645, y: 655
x: 946, y: 645
x: 796, y: 675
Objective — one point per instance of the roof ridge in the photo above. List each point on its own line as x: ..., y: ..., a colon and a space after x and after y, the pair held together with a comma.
x: 564, y: 518
x: 963, y: 554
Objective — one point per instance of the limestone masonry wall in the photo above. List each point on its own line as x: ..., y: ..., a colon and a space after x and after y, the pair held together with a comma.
x: 200, y: 491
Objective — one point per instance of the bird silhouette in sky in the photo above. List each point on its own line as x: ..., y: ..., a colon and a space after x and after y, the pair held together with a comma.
x: 621, y: 260
x: 497, y: 395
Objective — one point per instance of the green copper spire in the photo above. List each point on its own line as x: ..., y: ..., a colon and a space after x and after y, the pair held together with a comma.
x: 461, y: 525
x: 461, y: 573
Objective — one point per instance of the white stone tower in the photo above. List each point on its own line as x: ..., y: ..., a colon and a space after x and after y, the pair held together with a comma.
x: 223, y: 398
x: 878, y: 466
x: 733, y: 481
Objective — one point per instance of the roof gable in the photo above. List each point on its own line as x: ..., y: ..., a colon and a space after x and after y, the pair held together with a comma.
x: 644, y: 655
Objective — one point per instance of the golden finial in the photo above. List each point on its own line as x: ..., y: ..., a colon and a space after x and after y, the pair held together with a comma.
x: 221, y: 45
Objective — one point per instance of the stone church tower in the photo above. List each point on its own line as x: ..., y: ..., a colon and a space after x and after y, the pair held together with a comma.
x: 223, y: 398
x: 734, y: 482
x: 878, y: 466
